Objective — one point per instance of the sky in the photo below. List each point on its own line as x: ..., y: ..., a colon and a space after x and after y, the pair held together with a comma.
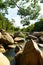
x: 13, y: 15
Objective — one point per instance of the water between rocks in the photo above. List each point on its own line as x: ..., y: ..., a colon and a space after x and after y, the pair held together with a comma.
x: 10, y: 54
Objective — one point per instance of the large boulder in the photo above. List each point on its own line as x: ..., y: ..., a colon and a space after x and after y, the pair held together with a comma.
x: 37, y: 34
x: 19, y: 39
x: 31, y: 37
x: 29, y: 56
x: 5, y: 38
x: 4, y: 60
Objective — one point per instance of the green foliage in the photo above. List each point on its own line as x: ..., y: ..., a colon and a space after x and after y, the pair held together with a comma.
x: 11, y: 3
x: 32, y: 10
x: 38, y: 25
x: 28, y: 29
x: 4, y: 22
x: 24, y: 30
x: 31, y: 27
x: 26, y: 21
x: 7, y: 25
x: 4, y: 4
x: 41, y: 1
x: 28, y: 12
x: 17, y: 29
x: 27, y: 0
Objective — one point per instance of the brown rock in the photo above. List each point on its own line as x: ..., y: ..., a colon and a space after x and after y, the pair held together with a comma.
x: 31, y: 37
x: 41, y: 39
x: 6, y: 38
x: 18, y: 34
x: 19, y: 39
x: 29, y: 56
x: 37, y: 34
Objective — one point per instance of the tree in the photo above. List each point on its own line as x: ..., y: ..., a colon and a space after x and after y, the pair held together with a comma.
x: 29, y: 10
x: 4, y: 4
x: 38, y: 26
x: 31, y: 27
x: 5, y: 23
x: 41, y: 1
x: 25, y: 22
x: 2, y: 20
x: 17, y: 29
x: 24, y: 29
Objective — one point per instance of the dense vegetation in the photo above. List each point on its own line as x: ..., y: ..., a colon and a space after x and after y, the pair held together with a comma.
x: 27, y: 13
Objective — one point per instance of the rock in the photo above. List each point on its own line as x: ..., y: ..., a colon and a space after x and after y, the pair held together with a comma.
x: 5, y: 38
x: 4, y: 60
x: 11, y: 46
x: 31, y: 37
x: 2, y: 49
x: 41, y: 39
x: 26, y: 33
x: 12, y: 35
x: 37, y: 40
x: 37, y: 34
x: 18, y: 34
x: 19, y: 39
x: 29, y: 56
x: 18, y: 48
x: 0, y: 35
x: 40, y: 45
